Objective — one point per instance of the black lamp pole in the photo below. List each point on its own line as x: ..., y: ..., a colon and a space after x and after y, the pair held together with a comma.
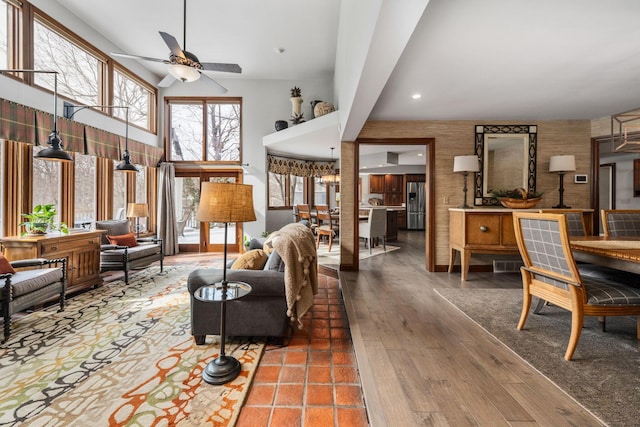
x: 561, y: 204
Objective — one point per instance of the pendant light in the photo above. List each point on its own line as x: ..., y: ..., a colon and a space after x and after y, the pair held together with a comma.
x: 125, y: 165
x: 55, y: 151
x: 332, y: 179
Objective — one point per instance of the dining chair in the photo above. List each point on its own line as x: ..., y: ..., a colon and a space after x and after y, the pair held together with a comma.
x: 374, y: 227
x: 550, y: 273
x: 326, y: 226
x: 621, y: 222
x: 304, y: 212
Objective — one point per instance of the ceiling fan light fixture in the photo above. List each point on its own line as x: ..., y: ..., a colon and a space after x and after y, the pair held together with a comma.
x: 184, y: 73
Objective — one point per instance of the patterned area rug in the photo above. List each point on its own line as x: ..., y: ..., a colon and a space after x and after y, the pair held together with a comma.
x: 333, y: 257
x: 118, y: 356
x: 604, y: 375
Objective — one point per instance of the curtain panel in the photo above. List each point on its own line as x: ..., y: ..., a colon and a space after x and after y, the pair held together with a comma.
x: 25, y: 124
x: 304, y: 168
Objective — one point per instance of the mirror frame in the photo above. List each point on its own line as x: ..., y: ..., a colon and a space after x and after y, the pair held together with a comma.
x: 481, y: 130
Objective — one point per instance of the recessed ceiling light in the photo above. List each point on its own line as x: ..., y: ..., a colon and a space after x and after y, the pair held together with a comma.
x: 279, y: 50
x: 420, y: 154
x: 416, y: 96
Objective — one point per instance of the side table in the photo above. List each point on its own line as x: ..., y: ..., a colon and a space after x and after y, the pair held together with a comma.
x: 223, y: 368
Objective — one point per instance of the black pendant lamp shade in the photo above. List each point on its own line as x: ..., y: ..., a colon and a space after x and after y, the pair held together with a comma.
x: 125, y: 165
x: 55, y: 151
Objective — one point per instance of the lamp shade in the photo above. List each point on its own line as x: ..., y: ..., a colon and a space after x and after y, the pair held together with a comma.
x: 466, y: 164
x: 184, y: 73
x: 565, y: 163
x: 225, y: 202
x: 137, y: 210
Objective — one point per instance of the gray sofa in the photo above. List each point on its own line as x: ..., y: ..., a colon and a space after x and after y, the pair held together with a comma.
x: 262, y: 313
x: 123, y: 258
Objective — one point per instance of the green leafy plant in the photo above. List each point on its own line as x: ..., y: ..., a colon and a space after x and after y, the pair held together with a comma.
x: 40, y: 220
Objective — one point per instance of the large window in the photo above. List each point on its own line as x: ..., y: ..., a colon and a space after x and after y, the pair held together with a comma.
x: 46, y: 182
x: 119, y: 194
x: 285, y: 191
x: 85, y: 190
x: 4, y: 42
x: 205, y: 130
x: 133, y: 93
x: 79, y: 71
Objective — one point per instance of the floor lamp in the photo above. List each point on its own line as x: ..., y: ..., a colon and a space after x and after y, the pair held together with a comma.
x: 562, y: 165
x: 137, y: 211
x: 224, y: 202
x: 466, y: 164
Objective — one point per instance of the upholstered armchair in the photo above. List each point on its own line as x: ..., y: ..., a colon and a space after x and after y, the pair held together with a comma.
x: 121, y: 251
x: 31, y: 282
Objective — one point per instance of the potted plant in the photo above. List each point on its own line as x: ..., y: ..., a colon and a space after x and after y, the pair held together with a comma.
x: 40, y: 220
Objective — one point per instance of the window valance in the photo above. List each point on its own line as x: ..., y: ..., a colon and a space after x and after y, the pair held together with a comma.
x: 296, y: 167
x: 25, y: 124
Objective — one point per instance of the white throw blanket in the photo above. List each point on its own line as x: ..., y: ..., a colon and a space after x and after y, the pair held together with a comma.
x: 297, y: 248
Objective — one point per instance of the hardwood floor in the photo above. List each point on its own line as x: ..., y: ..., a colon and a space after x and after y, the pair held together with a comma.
x: 424, y: 363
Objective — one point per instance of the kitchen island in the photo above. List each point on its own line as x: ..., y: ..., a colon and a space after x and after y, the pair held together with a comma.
x: 396, y: 219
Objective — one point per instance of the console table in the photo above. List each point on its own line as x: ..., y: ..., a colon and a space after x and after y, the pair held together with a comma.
x: 82, y: 251
x: 487, y: 231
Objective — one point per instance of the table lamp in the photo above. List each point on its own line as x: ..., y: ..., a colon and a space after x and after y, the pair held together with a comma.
x: 137, y: 210
x: 466, y: 164
x: 562, y: 165
x: 224, y: 202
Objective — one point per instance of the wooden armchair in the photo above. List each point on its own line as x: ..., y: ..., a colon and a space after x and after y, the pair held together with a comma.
x: 33, y: 282
x: 326, y: 227
x: 550, y: 273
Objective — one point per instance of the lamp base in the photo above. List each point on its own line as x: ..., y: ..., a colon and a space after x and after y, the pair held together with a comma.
x: 221, y: 370
x: 561, y: 206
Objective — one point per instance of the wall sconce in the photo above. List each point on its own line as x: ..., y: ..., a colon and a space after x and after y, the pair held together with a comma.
x: 55, y: 151
x: 466, y: 164
x: 562, y: 165
x: 125, y: 165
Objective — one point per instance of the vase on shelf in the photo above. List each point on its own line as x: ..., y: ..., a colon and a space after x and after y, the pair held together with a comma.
x: 281, y: 124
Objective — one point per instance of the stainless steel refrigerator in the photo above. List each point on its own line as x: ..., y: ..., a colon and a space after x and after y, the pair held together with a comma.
x: 415, y: 205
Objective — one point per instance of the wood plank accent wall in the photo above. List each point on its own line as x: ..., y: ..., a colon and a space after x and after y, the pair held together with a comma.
x: 455, y: 138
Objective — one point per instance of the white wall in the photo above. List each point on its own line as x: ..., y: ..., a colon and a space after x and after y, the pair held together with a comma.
x: 263, y: 102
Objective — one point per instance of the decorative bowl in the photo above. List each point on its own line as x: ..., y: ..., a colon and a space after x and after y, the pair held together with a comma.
x: 510, y: 203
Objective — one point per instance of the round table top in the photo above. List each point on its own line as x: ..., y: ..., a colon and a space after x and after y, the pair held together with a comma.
x: 214, y: 292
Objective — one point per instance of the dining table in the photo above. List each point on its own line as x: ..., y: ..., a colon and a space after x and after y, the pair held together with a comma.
x: 619, y: 252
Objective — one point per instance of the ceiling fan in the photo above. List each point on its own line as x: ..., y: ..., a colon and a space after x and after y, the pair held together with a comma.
x: 184, y: 65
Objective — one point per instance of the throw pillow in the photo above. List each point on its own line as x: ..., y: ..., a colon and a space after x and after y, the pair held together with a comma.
x: 5, y: 266
x: 128, y: 240
x: 252, y: 260
x: 275, y: 262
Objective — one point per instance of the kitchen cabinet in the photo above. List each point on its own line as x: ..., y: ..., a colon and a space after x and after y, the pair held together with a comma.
x: 393, y: 183
x: 392, y: 226
x: 402, y: 220
x: 376, y: 184
x: 82, y: 251
x: 393, y: 199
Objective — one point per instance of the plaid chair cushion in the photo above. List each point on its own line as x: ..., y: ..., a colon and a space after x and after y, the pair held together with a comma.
x: 574, y: 222
x: 604, y: 292
x: 542, y: 240
x: 623, y: 224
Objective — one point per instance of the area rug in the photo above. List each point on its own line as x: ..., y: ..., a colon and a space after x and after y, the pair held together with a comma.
x: 604, y: 375
x: 333, y: 257
x: 119, y: 356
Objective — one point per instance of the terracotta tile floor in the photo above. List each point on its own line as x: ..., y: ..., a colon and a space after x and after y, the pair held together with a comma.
x: 314, y: 380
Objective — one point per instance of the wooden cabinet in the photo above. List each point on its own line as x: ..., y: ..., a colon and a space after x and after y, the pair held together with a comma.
x: 393, y: 199
x: 402, y: 220
x: 415, y: 177
x: 392, y: 226
x: 82, y: 251
x: 393, y: 183
x: 488, y: 231
x: 376, y: 184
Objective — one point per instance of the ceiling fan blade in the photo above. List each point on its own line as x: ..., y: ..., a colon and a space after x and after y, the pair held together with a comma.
x: 217, y: 66
x: 222, y: 88
x: 171, y: 41
x: 146, y: 58
x: 167, y: 81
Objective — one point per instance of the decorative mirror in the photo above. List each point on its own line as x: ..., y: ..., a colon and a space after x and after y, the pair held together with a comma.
x: 507, y: 154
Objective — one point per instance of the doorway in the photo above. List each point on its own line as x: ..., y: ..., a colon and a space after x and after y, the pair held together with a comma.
x: 607, y: 186
x: 195, y: 236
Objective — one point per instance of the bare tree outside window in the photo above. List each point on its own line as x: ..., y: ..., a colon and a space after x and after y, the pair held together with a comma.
x: 4, y: 54
x: 277, y: 190
x: 128, y: 92
x: 78, y: 71
x: 223, y: 132
x: 46, y: 182
x: 85, y: 190
x: 119, y: 193
x: 186, y: 131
